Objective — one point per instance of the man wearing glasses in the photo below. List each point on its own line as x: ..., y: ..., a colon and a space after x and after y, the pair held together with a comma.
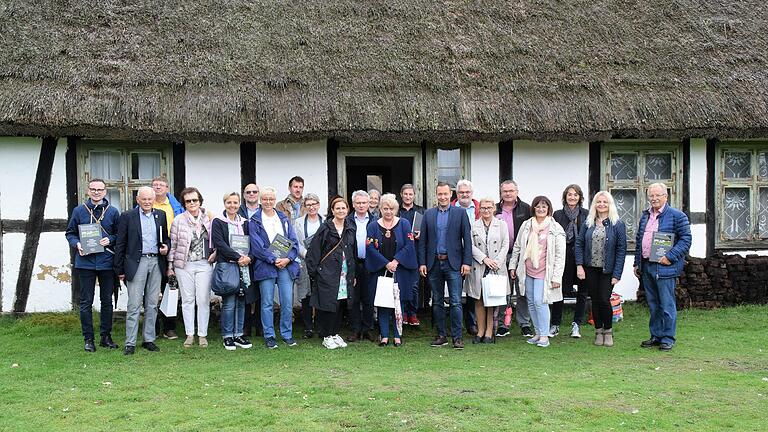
x: 658, y: 266
x: 92, y: 266
x: 250, y: 201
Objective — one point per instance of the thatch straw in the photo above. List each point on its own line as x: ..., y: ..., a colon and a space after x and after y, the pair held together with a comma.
x: 384, y: 69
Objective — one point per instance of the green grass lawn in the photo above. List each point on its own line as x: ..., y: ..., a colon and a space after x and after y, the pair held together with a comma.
x: 715, y: 379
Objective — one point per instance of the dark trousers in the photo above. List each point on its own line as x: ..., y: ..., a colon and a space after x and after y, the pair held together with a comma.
x: 440, y: 274
x: 569, y: 280
x: 329, y: 323
x: 470, y: 316
x: 306, y: 313
x: 361, y: 313
x: 87, y: 292
x: 600, y: 289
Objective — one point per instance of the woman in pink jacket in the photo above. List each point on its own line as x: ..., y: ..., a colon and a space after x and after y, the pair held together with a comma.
x: 190, y: 261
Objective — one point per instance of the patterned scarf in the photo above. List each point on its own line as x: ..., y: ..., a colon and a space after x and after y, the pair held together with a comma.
x: 532, y: 248
x: 572, y: 230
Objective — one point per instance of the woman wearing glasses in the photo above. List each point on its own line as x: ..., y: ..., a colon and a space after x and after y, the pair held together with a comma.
x: 190, y: 260
x: 306, y: 227
x: 490, y: 243
x: 538, y: 259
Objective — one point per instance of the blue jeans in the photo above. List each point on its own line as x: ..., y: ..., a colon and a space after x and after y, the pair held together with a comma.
x: 285, y: 294
x: 660, y: 294
x: 232, y: 315
x: 387, y: 316
x: 87, y: 292
x: 441, y: 273
x: 534, y: 292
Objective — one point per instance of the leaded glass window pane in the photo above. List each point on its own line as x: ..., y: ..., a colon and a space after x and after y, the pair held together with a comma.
x: 736, y: 220
x: 145, y: 166
x: 762, y: 212
x: 449, y: 166
x: 114, y: 198
x: 626, y: 204
x: 623, y: 166
x: 658, y: 166
x: 105, y: 165
x: 762, y: 164
x: 737, y: 165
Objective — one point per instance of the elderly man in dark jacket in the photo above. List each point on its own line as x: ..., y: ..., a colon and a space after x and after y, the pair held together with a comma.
x: 659, y: 273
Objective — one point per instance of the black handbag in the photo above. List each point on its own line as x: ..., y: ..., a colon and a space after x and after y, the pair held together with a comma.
x: 226, y: 279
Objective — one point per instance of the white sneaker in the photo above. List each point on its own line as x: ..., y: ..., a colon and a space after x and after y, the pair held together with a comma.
x: 329, y: 342
x: 575, y: 331
x: 339, y: 341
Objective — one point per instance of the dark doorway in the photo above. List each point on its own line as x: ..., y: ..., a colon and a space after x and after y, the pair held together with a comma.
x: 384, y: 173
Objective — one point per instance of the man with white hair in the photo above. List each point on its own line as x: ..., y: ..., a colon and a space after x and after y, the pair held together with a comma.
x: 361, y: 321
x: 466, y: 202
x: 659, y: 267
x: 140, y: 259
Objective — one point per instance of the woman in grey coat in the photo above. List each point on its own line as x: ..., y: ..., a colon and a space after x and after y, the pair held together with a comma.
x: 305, y: 227
x: 490, y: 243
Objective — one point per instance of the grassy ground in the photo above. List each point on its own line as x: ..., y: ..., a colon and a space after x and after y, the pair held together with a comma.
x: 716, y: 378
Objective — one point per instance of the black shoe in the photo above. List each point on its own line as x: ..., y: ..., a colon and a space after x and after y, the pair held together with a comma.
x: 458, y: 344
x: 308, y: 334
x: 90, y: 346
x: 665, y: 347
x: 439, y: 341
x: 354, y: 337
x: 502, y: 331
x: 129, y: 350
x: 488, y: 340
x: 527, y: 331
x: 242, y: 342
x: 650, y: 343
x: 384, y: 343
x: 107, y: 342
x: 150, y: 346
x: 477, y: 340
x: 171, y: 335
x: 472, y: 330
x: 229, y: 344
x: 369, y: 336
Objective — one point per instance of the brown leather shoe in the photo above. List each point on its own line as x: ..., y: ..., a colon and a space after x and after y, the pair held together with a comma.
x: 354, y: 337
x: 458, y: 344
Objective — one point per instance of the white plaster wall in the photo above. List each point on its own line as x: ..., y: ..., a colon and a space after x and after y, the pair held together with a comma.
x: 50, y: 287
x: 698, y: 241
x: 213, y: 168
x: 276, y: 163
x: 698, y: 175
x: 19, y: 158
x: 484, y: 169
x: 546, y: 168
x: 628, y: 285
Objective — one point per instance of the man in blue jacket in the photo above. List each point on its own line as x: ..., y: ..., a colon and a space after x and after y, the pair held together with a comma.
x: 659, y: 278
x: 445, y: 256
x: 96, y: 210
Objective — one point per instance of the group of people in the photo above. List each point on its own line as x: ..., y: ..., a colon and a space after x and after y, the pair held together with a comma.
x: 332, y: 266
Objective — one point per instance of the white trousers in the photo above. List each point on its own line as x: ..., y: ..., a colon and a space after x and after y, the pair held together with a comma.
x: 195, y: 287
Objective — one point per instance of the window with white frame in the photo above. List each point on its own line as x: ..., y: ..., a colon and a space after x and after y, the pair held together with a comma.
x: 742, y: 195
x: 446, y: 163
x: 124, y: 166
x: 630, y: 167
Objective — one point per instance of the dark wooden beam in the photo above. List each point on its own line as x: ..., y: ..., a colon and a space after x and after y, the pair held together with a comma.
x: 35, y: 222
x: 711, y: 215
x: 179, y: 168
x: 247, y: 164
x: 20, y: 225
x: 505, y: 160
x: 70, y: 162
x: 332, y: 152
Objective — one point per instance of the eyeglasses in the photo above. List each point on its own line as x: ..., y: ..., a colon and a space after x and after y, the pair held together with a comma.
x: 487, y: 208
x: 251, y: 192
x: 190, y: 201
x: 94, y: 190
x: 312, y: 204
x: 267, y: 199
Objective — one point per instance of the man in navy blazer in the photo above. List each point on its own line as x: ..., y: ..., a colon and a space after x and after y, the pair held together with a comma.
x: 445, y: 255
x: 140, y: 261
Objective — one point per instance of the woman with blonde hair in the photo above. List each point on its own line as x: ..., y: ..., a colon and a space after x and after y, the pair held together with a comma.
x: 601, y: 247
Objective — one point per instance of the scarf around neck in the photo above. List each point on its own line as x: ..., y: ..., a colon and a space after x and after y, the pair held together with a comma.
x: 572, y: 230
x: 532, y: 247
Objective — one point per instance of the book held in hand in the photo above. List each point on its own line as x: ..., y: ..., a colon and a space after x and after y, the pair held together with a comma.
x: 90, y: 236
x: 661, y: 244
x: 240, y: 243
x: 280, y: 246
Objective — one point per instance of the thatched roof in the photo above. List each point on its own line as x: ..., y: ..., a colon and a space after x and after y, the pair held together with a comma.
x: 393, y: 69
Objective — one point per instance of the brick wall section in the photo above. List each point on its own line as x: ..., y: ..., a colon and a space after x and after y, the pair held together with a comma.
x: 721, y: 280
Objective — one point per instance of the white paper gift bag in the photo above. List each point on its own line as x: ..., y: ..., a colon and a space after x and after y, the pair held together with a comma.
x: 385, y: 291
x: 169, y: 302
x: 495, y: 284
